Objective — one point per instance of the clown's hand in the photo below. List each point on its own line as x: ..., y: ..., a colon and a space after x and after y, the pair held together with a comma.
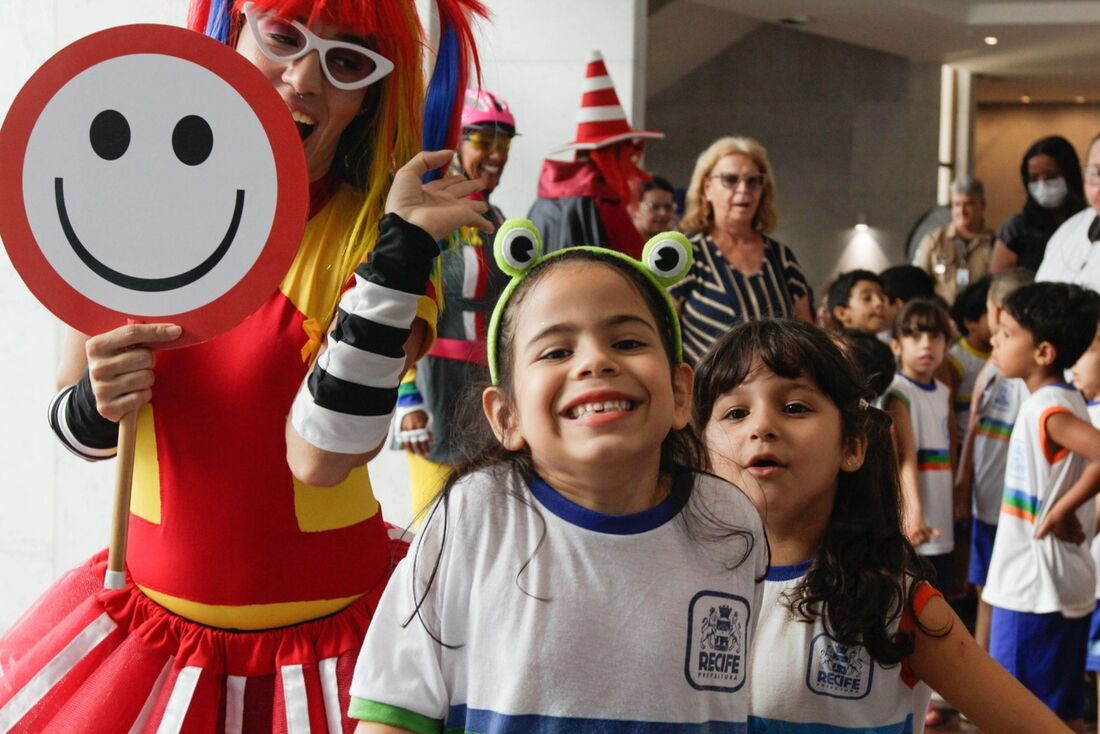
x: 439, y: 207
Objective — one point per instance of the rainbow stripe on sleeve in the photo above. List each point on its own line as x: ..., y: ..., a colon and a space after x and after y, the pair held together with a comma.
x: 1021, y: 504
x: 933, y: 460
x: 994, y: 429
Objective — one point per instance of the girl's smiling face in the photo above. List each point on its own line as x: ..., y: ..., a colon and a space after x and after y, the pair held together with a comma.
x: 787, y: 435
x: 592, y: 387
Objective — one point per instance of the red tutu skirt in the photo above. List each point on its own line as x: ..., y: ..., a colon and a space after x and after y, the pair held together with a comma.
x: 85, y: 659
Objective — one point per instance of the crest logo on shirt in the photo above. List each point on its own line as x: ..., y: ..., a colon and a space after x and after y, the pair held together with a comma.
x: 717, y: 644
x: 838, y: 670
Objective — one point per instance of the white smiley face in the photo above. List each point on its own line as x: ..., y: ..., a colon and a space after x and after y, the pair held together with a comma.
x: 149, y: 184
x: 151, y: 173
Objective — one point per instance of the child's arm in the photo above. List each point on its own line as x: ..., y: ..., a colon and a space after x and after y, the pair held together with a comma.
x: 1067, y: 431
x: 960, y: 671
x: 369, y: 727
x: 964, y: 476
x: 917, y: 530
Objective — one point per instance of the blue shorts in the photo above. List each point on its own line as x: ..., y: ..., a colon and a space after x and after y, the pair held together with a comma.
x: 1046, y: 652
x: 1092, y: 660
x: 942, y: 564
x: 981, y: 550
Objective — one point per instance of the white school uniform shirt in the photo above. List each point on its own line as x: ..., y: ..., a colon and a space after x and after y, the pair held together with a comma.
x: 929, y: 410
x: 967, y: 361
x: 1048, y: 575
x: 804, y: 682
x: 997, y: 409
x: 1070, y: 257
x: 564, y: 619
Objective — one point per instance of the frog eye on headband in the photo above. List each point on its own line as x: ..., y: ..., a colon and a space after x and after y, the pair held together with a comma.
x: 517, y: 246
x: 668, y: 257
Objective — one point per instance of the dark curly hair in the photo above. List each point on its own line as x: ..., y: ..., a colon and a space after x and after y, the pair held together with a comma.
x: 865, y: 572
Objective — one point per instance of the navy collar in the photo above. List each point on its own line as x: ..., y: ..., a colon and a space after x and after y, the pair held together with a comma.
x: 639, y: 522
x: 929, y: 386
x: 787, y: 573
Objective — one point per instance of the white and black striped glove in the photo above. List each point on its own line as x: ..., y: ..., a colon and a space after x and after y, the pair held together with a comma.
x: 346, y: 402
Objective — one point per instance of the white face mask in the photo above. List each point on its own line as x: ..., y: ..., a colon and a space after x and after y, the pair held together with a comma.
x: 1050, y: 193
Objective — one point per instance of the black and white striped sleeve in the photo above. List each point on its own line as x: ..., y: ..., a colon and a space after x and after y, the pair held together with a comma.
x: 345, y: 403
x: 75, y: 420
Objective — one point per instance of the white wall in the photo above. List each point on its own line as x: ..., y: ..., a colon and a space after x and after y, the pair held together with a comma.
x: 533, y: 55
x: 55, y: 508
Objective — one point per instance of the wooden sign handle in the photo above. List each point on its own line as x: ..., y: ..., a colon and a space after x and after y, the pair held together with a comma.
x: 120, y: 518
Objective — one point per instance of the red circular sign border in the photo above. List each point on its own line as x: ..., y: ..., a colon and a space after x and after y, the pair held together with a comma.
x: 292, y: 200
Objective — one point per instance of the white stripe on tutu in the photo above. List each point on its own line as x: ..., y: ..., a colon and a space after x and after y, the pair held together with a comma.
x: 142, y: 719
x: 234, y: 704
x: 297, y: 704
x: 331, y: 692
x: 64, y: 661
x: 180, y: 700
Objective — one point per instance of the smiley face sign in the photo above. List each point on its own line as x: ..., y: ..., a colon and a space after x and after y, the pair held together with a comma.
x: 151, y: 173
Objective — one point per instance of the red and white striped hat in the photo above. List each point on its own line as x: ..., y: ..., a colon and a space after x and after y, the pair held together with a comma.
x: 601, y: 120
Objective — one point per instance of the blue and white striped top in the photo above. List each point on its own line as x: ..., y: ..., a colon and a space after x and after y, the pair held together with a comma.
x: 715, y: 296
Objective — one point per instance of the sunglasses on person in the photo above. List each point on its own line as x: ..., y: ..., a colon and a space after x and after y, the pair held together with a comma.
x: 486, y: 143
x: 730, y: 181
x: 347, y: 65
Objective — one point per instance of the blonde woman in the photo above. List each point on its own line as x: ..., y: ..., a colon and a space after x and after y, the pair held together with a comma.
x: 739, y: 273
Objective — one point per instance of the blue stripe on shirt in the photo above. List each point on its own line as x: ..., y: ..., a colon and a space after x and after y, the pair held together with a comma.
x: 462, y: 719
x: 758, y: 725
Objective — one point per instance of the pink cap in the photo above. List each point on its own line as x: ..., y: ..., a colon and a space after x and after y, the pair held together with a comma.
x: 485, y: 108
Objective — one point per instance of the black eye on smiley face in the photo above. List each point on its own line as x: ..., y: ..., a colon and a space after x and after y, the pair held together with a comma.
x: 192, y: 138
x: 192, y: 142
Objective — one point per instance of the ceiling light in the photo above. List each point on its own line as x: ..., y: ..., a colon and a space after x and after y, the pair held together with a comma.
x: 990, y: 40
x: 795, y: 20
x: 861, y: 223
x: 1025, y: 99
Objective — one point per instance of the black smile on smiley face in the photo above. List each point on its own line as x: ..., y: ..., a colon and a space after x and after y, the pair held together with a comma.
x: 192, y: 141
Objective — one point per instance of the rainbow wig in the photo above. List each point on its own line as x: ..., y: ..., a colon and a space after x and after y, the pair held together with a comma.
x: 379, y: 142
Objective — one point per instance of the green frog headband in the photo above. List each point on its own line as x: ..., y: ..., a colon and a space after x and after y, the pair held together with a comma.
x: 666, y: 259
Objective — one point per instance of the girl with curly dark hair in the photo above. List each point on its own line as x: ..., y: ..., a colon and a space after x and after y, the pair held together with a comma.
x: 851, y: 634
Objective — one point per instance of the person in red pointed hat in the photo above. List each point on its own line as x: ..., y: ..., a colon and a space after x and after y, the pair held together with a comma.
x: 584, y: 201
x: 257, y: 549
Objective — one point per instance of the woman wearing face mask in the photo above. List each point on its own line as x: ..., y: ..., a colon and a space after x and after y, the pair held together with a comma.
x: 1052, y: 177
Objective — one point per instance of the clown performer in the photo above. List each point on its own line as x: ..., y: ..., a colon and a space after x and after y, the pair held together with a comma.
x: 584, y: 201
x: 249, y: 587
x: 432, y: 392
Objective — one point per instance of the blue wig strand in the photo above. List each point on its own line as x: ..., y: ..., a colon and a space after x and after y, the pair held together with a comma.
x: 217, y: 22
x: 439, y: 105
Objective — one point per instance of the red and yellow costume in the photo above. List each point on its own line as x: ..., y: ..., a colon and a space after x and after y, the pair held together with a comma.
x: 222, y: 539
x: 248, y: 592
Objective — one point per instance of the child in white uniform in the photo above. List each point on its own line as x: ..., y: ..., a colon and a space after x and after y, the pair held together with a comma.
x: 849, y: 626
x: 925, y: 433
x: 969, y: 354
x: 1041, y: 577
x: 577, y: 574
x: 1086, y: 378
x: 980, y: 480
